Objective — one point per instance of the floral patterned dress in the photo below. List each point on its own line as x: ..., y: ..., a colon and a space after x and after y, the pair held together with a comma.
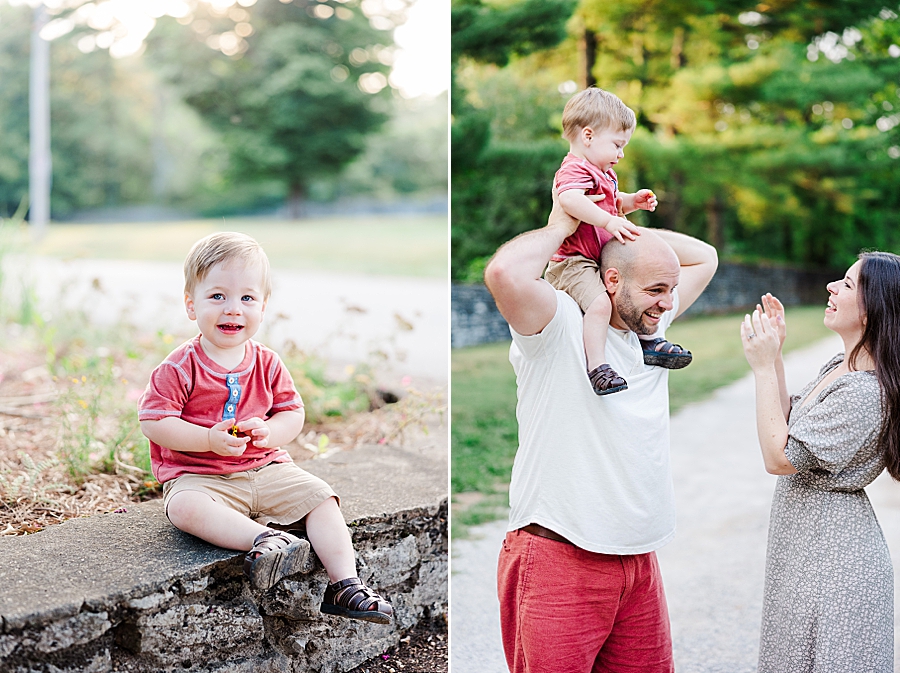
x: 829, y: 597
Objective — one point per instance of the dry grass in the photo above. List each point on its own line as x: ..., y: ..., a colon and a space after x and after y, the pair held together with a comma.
x: 38, y: 488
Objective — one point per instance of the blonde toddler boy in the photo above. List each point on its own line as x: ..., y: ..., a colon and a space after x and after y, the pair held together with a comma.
x: 598, y: 126
x: 216, y: 412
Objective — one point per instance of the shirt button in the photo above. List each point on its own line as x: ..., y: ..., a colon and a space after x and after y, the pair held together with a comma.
x: 230, y: 408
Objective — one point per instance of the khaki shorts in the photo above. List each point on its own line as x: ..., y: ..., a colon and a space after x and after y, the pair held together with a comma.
x: 280, y: 493
x: 579, y: 277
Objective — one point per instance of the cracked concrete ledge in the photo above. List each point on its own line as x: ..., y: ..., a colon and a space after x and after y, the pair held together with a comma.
x: 129, y: 592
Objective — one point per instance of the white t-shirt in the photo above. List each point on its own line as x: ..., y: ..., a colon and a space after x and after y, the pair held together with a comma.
x: 594, y: 469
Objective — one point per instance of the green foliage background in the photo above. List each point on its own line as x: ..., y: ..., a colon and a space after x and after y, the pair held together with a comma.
x: 768, y: 130
x: 181, y: 124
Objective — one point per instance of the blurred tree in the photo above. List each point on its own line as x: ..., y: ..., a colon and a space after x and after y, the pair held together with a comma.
x: 496, y: 187
x: 294, y: 98
x: 759, y: 138
x: 766, y: 129
x: 99, y: 117
x: 409, y: 156
x: 14, y: 49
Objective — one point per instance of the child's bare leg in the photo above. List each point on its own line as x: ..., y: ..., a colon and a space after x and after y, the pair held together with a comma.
x: 330, y: 538
x: 596, y: 320
x: 198, y: 514
x: 346, y: 595
x: 604, y: 379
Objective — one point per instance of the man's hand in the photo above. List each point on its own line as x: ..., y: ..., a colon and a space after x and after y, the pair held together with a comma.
x: 223, y: 443
x: 258, y: 431
x: 514, y: 274
x: 561, y: 219
x: 621, y: 229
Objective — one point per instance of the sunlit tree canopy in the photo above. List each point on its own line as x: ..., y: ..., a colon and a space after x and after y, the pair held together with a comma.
x: 766, y: 129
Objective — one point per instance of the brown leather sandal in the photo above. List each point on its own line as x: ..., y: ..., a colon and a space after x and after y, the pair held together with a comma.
x: 351, y: 598
x: 605, y: 380
x: 661, y: 353
x: 275, y: 555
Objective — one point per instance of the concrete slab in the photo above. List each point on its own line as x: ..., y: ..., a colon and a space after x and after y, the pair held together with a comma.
x: 51, y: 574
x: 108, y: 558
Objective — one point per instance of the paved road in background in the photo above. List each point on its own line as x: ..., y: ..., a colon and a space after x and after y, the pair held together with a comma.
x: 713, y: 569
x: 340, y: 317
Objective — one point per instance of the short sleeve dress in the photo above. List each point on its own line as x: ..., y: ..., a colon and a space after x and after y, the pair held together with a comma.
x: 829, y: 596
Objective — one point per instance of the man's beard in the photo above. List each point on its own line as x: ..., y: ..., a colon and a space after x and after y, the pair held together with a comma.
x: 631, y: 315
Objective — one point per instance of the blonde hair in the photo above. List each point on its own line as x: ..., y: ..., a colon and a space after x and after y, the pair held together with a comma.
x: 226, y: 246
x: 598, y: 109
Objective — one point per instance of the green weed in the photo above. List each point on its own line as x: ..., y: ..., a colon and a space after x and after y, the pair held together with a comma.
x: 30, y: 484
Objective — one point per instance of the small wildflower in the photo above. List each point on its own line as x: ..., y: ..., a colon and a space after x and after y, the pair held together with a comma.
x: 120, y: 510
x: 84, y: 405
x: 83, y: 379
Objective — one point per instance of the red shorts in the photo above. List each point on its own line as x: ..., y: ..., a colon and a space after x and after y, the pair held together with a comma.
x: 567, y: 610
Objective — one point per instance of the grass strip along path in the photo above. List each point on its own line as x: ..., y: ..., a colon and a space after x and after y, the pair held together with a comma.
x: 484, y: 433
x: 395, y: 245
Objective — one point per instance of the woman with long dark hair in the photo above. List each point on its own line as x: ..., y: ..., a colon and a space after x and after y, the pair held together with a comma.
x: 828, y: 603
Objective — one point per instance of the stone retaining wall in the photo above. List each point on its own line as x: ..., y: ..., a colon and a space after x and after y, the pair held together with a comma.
x: 129, y: 592
x: 735, y: 287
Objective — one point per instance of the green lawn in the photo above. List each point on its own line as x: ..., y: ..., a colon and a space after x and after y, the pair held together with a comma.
x: 382, y: 245
x: 483, y: 393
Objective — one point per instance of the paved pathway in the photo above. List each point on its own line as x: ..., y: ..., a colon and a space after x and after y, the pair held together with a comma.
x: 713, y: 569
x: 343, y: 318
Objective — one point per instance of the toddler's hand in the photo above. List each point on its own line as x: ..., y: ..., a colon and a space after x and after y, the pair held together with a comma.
x: 258, y: 431
x: 621, y: 229
x: 223, y: 443
x: 645, y: 200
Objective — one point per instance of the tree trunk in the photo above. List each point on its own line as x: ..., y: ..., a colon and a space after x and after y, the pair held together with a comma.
x: 669, y: 209
x: 676, y: 59
x: 590, y: 57
x: 714, y: 234
x: 296, y: 201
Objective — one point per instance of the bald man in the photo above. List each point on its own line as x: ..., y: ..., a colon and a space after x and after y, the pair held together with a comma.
x: 591, y: 495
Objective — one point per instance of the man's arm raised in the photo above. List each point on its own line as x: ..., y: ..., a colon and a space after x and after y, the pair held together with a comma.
x: 513, y: 276
x: 698, y: 261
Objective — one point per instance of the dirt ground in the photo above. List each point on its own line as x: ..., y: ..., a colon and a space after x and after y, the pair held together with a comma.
x: 423, y: 650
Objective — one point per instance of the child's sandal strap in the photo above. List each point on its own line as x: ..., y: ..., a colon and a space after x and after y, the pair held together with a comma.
x: 604, y: 380
x: 351, y: 598
x: 275, y: 554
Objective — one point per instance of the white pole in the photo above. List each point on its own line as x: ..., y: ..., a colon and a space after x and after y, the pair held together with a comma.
x: 39, y: 162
